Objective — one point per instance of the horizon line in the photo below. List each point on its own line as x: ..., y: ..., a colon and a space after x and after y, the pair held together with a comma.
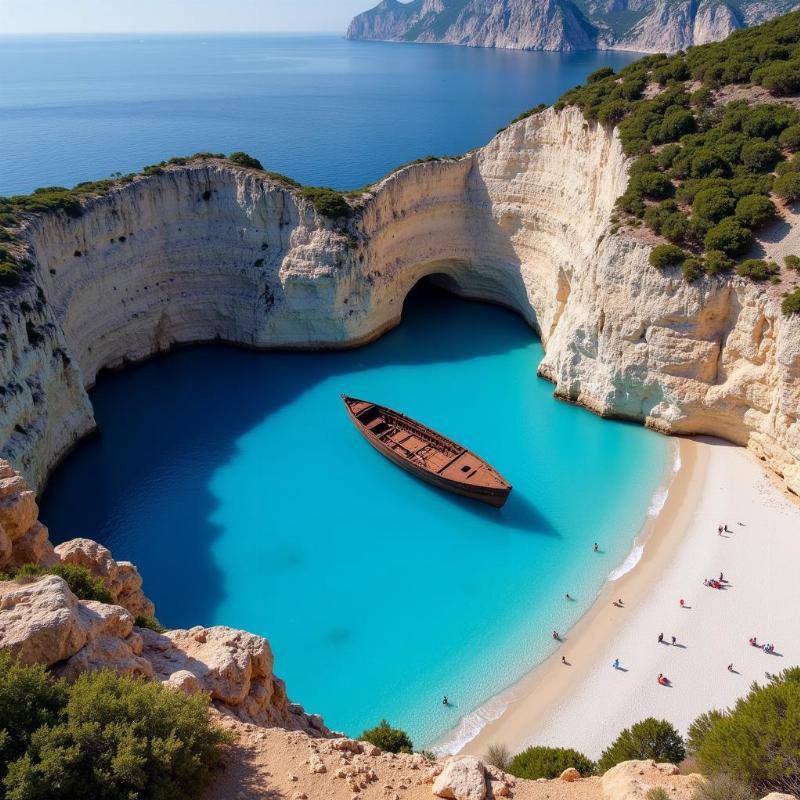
x: 142, y: 33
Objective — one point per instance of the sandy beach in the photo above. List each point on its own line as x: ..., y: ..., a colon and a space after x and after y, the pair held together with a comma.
x: 586, y: 703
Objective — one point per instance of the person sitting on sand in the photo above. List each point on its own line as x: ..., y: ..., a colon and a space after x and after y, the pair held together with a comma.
x: 719, y: 530
x: 616, y: 663
x: 721, y: 578
x: 730, y: 667
x: 567, y: 597
x: 753, y: 642
x: 563, y: 659
x: 683, y: 605
x: 445, y: 701
x: 619, y: 602
x: 661, y: 638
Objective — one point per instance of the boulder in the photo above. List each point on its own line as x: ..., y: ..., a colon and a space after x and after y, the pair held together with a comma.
x: 234, y: 667
x: 569, y: 775
x: 631, y: 780
x: 779, y: 796
x: 121, y: 578
x: 42, y: 622
x: 18, y: 509
x: 463, y: 778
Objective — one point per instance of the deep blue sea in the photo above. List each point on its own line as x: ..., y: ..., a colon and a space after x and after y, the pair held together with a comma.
x: 319, y: 108
x: 236, y: 482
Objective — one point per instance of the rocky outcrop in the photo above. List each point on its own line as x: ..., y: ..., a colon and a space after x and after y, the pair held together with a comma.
x: 642, y: 25
x: 463, y: 778
x: 121, y: 578
x: 42, y: 622
x: 212, y: 251
x: 632, y: 780
x: 235, y: 668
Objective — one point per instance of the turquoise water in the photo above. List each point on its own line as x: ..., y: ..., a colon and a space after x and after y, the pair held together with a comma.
x: 319, y: 108
x: 237, y: 484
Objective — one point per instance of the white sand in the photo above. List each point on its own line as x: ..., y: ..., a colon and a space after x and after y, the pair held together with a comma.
x: 585, y: 705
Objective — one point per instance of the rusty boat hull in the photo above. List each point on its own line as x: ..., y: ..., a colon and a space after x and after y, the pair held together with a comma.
x: 427, y: 454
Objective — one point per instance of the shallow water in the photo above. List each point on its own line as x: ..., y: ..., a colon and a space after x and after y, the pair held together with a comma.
x: 236, y: 482
x: 318, y: 108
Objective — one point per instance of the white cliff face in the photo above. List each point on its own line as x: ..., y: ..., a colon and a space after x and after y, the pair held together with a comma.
x: 523, y: 221
x: 642, y: 25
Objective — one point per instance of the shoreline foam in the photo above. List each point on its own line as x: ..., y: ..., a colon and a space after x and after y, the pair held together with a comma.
x: 716, y: 482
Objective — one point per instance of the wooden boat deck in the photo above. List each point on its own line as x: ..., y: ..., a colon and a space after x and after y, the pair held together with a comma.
x: 427, y: 453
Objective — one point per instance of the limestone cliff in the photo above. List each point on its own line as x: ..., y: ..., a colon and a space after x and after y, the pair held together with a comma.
x: 211, y: 251
x: 641, y: 25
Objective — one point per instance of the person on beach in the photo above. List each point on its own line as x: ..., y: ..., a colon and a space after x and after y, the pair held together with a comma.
x: 683, y: 605
x: 722, y: 578
x: 674, y: 640
x: 557, y: 636
x: 616, y: 663
x: 563, y: 659
x: 596, y: 548
x: 567, y: 597
x: 730, y: 667
x: 661, y: 638
x: 445, y: 701
x: 753, y: 641
x: 719, y: 530
x: 727, y: 529
x: 619, y: 602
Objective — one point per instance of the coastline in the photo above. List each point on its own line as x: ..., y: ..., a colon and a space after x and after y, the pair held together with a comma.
x: 716, y: 482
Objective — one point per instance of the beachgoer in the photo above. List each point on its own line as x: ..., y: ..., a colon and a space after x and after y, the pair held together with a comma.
x: 556, y: 635
x: 674, y: 640
x: 727, y: 529
x: 620, y: 601
x: 661, y: 638
x: 721, y: 578
x: 719, y: 530
x: 445, y: 701
x: 616, y: 663
x: 567, y: 596
x: 563, y: 659
x: 683, y: 605
x: 730, y: 667
x: 596, y: 548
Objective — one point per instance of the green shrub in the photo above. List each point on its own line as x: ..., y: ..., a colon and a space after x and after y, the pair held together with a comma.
x: 714, y: 203
x: 119, y: 738
x: 650, y: 738
x: 327, y: 202
x: 693, y: 268
x: 757, y: 269
x: 548, y: 762
x: 788, y: 186
x: 781, y: 78
x: 29, y: 699
x: 730, y: 237
x: 791, y: 303
x: 760, y: 156
x: 792, y: 262
x: 80, y: 581
x: 653, y: 185
x: 667, y: 255
x: 656, y: 793
x: 244, y: 160
x: 723, y: 787
x: 790, y: 137
x: 717, y: 262
x: 498, y: 755
x: 699, y: 729
x: 708, y: 164
x: 389, y: 739
x: 10, y: 273
x: 149, y: 622
x: 600, y: 74
x: 755, y: 210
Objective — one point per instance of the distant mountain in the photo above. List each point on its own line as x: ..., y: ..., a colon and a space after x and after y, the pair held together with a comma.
x: 643, y: 25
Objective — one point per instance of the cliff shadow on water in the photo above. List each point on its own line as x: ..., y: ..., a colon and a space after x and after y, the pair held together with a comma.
x: 147, y: 485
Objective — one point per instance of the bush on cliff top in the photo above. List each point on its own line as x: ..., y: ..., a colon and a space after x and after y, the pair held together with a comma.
x: 791, y: 303
x: 80, y: 581
x: 549, y: 762
x: 244, y: 160
x: 104, y: 737
x: 650, y: 738
x: 389, y: 739
x: 718, y: 158
x: 756, y: 742
x: 327, y: 202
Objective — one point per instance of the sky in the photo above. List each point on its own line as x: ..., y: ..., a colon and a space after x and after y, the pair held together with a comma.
x: 149, y: 16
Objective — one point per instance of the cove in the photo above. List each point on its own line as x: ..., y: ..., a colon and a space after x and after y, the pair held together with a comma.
x: 237, y: 484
